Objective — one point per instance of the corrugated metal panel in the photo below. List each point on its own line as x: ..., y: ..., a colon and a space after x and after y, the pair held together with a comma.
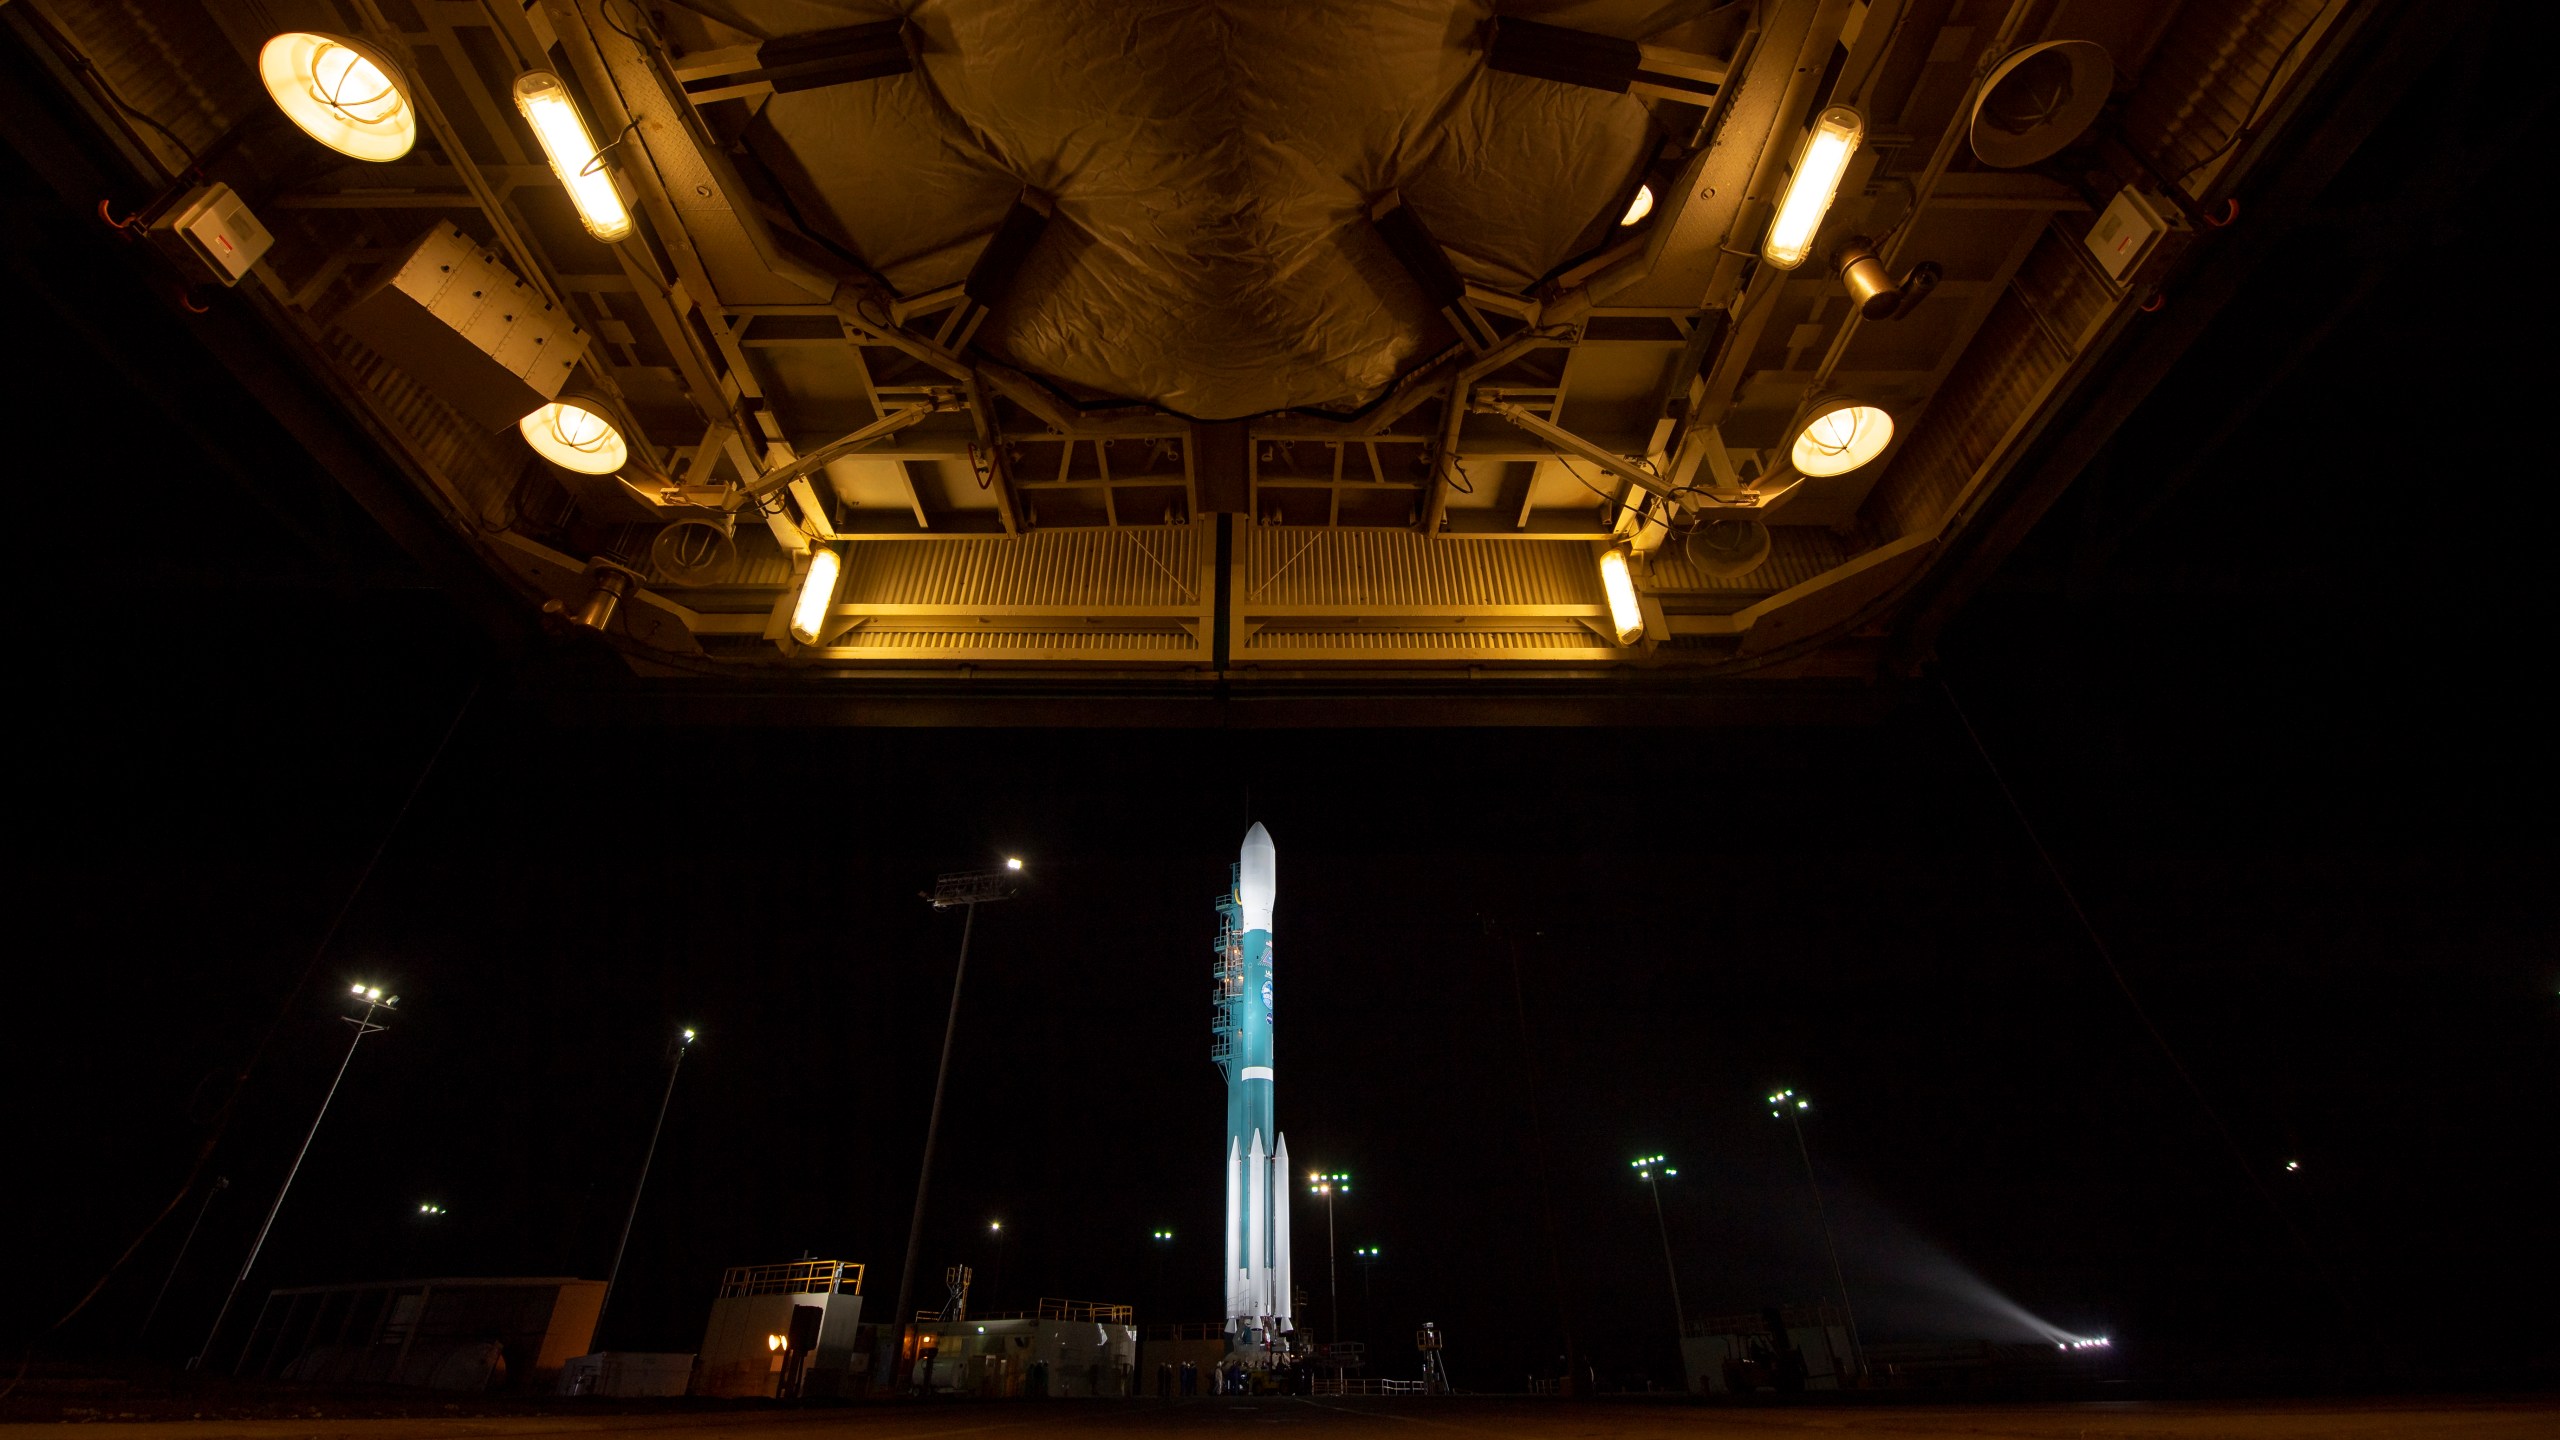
x: 1083, y: 640
x: 170, y: 62
x: 480, y: 465
x: 761, y: 560
x: 2210, y: 68
x: 1045, y: 567
x: 1285, y: 566
x: 1797, y: 553
x: 2062, y: 288
x: 2000, y: 378
x: 1437, y: 642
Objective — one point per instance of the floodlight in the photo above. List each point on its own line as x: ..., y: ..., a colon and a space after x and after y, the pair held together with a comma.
x: 1010, y: 863
x: 546, y: 106
x: 817, y: 595
x: 1838, y: 435
x: 1638, y: 208
x: 359, y: 987
x: 1827, y: 152
x: 575, y: 432
x: 1620, y: 587
x: 688, y: 1037
x: 773, y: 1342
x: 341, y: 92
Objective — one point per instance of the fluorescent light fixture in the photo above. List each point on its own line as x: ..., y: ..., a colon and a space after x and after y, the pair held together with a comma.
x: 573, y: 433
x: 341, y: 92
x: 1620, y: 586
x: 1638, y: 208
x: 546, y: 107
x: 817, y: 595
x: 1837, y: 436
x: 1827, y: 151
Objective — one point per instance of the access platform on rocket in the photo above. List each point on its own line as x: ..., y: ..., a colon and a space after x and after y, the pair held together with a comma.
x: 1257, y: 1228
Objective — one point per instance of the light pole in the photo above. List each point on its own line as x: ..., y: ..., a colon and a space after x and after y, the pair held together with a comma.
x: 1647, y: 1170
x: 1338, y: 1182
x: 967, y: 889
x: 1161, y: 1242
x: 220, y: 1184
x: 374, y: 1002
x: 1367, y: 1255
x: 995, y: 1272
x: 647, y: 1157
x: 1787, y: 1105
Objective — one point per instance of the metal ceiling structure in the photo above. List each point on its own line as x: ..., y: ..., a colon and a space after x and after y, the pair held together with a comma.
x: 1186, y: 349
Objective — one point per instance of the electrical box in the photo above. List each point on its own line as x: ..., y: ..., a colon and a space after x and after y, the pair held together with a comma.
x: 2130, y: 233
x: 451, y: 313
x: 215, y: 225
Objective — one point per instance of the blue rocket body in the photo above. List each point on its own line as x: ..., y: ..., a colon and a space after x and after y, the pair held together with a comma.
x: 1257, y: 1280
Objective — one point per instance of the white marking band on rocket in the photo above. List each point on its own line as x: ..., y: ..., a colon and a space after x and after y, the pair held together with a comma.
x: 1256, y: 1072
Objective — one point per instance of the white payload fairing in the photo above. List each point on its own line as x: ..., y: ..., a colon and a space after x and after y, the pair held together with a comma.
x: 1257, y: 1221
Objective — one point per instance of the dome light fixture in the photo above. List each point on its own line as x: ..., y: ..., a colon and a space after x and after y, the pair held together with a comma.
x: 817, y: 594
x: 1827, y: 152
x: 1838, y: 435
x: 1616, y: 582
x: 547, y: 107
x: 341, y: 92
x: 575, y: 432
x: 1639, y: 207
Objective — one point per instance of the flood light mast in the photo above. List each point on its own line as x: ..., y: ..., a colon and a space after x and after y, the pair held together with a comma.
x: 375, y: 1003
x: 1787, y: 1105
x: 674, y: 1068
x: 1652, y: 1170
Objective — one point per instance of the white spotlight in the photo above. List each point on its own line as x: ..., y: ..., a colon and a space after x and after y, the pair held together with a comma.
x: 546, y: 107
x: 1839, y: 435
x: 573, y: 433
x: 1827, y: 152
x: 1620, y: 586
x: 817, y: 595
x: 341, y: 92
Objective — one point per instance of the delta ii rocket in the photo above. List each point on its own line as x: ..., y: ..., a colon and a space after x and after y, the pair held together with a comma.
x: 1257, y: 1233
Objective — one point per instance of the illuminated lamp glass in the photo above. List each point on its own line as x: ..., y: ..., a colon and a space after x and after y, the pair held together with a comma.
x: 546, y: 106
x: 1838, y: 437
x: 817, y: 595
x: 1620, y: 587
x: 1827, y: 152
x: 1640, y: 207
x: 341, y: 92
x: 573, y: 433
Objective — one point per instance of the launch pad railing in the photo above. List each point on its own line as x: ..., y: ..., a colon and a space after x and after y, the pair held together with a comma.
x: 1365, y: 1387
x: 800, y: 1277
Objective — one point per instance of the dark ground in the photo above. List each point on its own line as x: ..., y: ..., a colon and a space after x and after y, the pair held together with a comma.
x: 2482, y: 1419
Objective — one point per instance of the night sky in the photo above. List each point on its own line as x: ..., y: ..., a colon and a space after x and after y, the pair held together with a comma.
x: 2286, y: 728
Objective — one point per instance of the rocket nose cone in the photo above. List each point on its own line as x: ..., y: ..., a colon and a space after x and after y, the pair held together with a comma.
x: 1258, y: 877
